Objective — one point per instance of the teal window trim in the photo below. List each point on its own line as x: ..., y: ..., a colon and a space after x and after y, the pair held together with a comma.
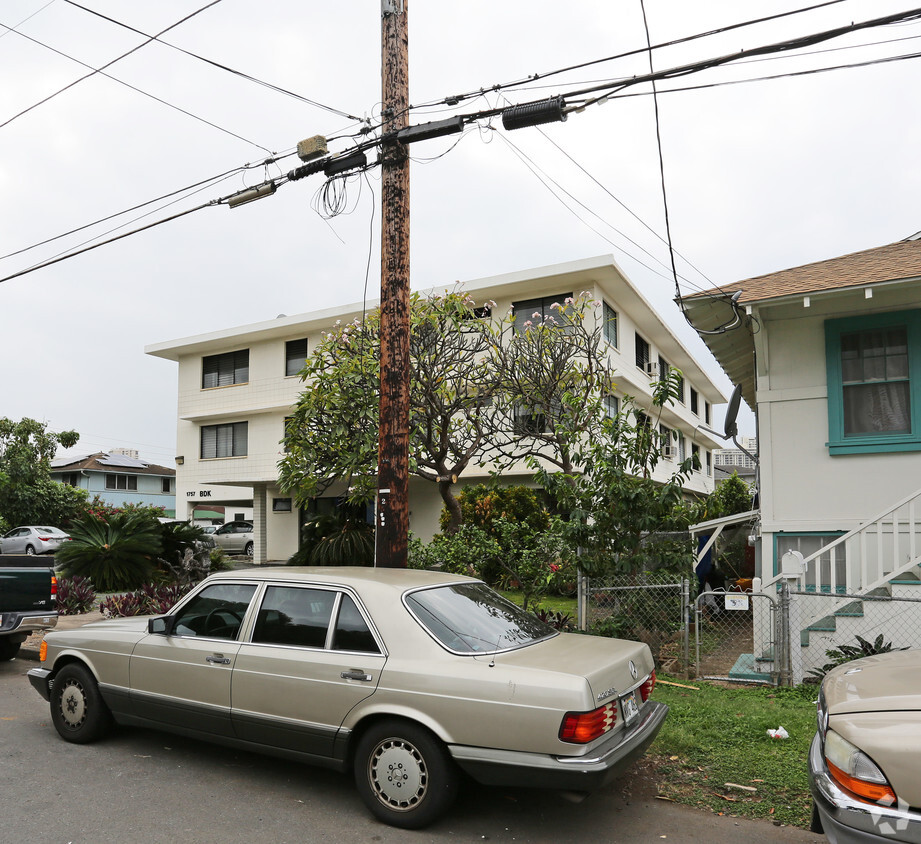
x: 838, y: 443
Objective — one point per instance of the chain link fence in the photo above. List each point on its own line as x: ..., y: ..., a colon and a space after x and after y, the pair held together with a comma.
x: 648, y: 607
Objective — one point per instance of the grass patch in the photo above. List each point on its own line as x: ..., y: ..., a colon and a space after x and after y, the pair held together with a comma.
x: 552, y: 603
x: 717, y: 735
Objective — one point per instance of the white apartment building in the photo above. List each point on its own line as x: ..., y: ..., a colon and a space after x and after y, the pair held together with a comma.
x: 730, y: 458
x: 237, y: 386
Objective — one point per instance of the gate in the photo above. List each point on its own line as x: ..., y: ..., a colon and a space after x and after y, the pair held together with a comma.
x: 739, y: 637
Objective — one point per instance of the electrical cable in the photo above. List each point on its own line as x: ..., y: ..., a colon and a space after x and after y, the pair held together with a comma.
x: 455, y: 99
x: 108, y: 64
x: 127, y: 85
x: 217, y: 64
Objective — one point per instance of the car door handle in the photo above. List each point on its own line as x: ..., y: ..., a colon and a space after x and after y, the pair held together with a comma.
x: 218, y: 659
x: 356, y: 674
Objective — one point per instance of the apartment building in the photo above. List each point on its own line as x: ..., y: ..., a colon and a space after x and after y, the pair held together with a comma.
x: 237, y: 386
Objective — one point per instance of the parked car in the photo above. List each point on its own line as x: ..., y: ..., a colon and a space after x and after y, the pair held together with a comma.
x: 209, y: 528
x: 863, y: 763
x: 32, y: 539
x: 404, y: 678
x: 235, y: 538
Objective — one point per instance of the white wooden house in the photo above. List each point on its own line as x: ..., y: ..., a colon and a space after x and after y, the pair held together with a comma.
x: 829, y: 357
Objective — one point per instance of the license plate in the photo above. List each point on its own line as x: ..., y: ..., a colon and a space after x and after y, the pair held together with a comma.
x: 629, y: 708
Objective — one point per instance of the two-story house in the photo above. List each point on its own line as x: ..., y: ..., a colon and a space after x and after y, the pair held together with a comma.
x: 237, y: 386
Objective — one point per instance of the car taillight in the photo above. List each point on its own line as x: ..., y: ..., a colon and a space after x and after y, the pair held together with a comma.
x: 44, y: 538
x: 856, y: 772
x: 648, y: 686
x: 54, y: 588
x: 583, y: 727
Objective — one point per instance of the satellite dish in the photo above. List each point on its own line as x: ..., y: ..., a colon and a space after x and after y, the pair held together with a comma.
x: 730, y: 428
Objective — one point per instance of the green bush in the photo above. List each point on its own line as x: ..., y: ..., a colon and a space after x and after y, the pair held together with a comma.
x: 116, y: 553
x: 338, y: 538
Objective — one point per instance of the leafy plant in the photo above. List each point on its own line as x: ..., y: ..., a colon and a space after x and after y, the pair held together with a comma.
x: 558, y: 620
x: 75, y: 595
x: 150, y: 599
x: 339, y: 538
x: 847, y: 653
x: 116, y: 554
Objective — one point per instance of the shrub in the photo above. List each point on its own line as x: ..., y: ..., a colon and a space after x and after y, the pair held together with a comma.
x: 116, y: 552
x: 557, y: 620
x: 75, y: 595
x: 150, y: 599
x: 339, y: 538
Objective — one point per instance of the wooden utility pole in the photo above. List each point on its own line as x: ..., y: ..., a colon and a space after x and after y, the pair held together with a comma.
x: 392, y: 517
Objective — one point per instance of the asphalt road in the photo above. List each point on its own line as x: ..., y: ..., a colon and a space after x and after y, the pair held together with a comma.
x: 144, y: 787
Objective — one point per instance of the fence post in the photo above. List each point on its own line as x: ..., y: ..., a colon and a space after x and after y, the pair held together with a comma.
x: 784, y: 637
x: 582, y: 598
x: 686, y: 618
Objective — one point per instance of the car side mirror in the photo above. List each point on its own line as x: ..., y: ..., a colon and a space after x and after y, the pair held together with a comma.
x: 163, y: 625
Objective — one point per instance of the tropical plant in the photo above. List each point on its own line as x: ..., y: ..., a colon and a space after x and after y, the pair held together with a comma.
x: 846, y: 653
x: 183, y: 552
x: 339, y: 538
x: 117, y: 553
x: 149, y: 599
x: 76, y: 595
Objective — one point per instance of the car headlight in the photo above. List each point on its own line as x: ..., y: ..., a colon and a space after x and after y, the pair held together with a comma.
x: 856, y: 772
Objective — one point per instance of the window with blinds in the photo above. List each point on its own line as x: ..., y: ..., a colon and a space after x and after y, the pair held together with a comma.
x: 224, y: 440
x: 226, y: 369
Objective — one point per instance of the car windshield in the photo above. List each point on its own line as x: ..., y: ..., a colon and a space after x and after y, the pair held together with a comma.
x: 472, y: 618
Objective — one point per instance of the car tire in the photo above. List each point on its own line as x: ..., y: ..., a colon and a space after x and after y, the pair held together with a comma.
x: 30, y: 550
x: 248, y: 549
x: 78, y: 711
x: 8, y: 648
x: 404, y: 774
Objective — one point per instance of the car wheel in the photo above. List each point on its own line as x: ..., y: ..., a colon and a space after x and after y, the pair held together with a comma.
x: 77, y: 709
x: 404, y: 774
x: 248, y: 549
x: 30, y: 550
x: 8, y: 648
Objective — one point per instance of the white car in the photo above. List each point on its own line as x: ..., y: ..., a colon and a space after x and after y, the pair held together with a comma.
x: 33, y: 539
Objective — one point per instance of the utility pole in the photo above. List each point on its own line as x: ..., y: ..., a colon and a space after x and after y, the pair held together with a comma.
x: 392, y: 512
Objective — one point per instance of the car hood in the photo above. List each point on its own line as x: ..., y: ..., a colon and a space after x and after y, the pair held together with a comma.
x: 603, y: 662
x: 883, y: 683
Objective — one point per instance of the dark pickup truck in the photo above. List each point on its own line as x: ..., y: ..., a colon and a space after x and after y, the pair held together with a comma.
x: 28, y: 596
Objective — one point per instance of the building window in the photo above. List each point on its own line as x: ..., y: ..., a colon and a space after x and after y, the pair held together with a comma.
x: 281, y: 505
x: 539, y: 310
x: 695, y: 453
x: 611, y: 406
x: 693, y: 394
x: 642, y: 353
x: 121, y: 481
x: 870, y: 363
x: 706, y: 412
x: 682, y: 448
x: 527, y: 420
x: 819, y: 575
x: 667, y: 441
x: 609, y: 323
x: 295, y: 356
x: 165, y: 485
x: 224, y: 440
x: 709, y: 461
x: 226, y: 369
x: 71, y: 479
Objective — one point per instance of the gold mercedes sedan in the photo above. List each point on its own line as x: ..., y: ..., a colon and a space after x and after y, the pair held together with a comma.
x: 403, y: 678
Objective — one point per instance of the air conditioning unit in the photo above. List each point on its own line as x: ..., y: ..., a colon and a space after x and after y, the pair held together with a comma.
x: 669, y: 452
x: 652, y: 369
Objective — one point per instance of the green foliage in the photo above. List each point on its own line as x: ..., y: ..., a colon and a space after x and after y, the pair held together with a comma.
x: 76, y: 595
x: 731, y: 496
x: 339, y: 538
x: 27, y: 493
x: 483, y: 504
x: 616, y: 512
x: 118, y: 553
x: 847, y: 653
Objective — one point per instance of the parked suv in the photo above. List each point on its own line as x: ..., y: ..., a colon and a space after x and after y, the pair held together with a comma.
x: 235, y: 538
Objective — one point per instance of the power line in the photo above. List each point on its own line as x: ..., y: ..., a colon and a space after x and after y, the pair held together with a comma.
x: 126, y: 84
x: 107, y: 64
x: 217, y: 64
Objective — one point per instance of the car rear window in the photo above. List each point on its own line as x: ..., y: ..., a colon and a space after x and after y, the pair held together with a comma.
x: 472, y: 618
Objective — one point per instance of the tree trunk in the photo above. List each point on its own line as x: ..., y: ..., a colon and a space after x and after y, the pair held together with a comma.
x: 456, y: 518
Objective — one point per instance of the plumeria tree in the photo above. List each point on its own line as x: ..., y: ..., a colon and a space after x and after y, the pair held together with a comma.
x: 332, y: 435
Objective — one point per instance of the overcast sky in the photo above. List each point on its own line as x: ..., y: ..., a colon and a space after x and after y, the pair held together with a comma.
x: 759, y: 176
